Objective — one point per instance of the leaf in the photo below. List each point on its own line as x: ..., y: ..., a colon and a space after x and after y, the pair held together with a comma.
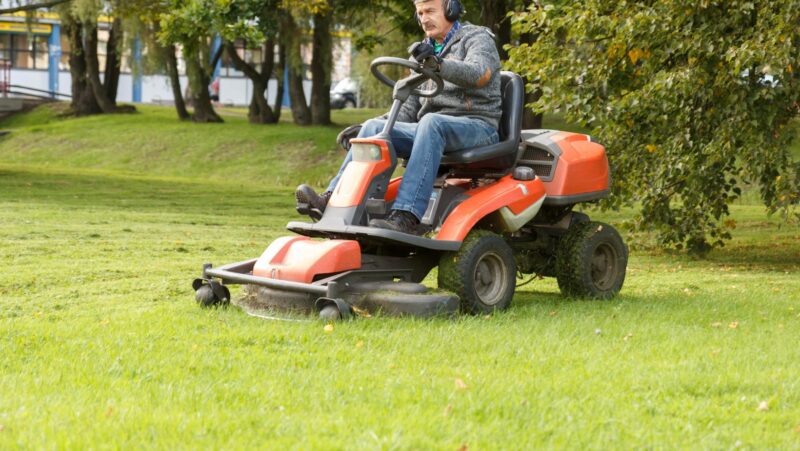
x: 460, y: 385
x: 763, y: 406
x: 328, y: 328
x: 448, y: 409
x: 733, y: 325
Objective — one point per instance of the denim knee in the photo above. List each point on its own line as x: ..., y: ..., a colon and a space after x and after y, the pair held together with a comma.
x: 371, y: 128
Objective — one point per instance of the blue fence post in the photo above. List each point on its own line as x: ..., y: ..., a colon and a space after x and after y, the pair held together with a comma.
x: 54, y: 59
x: 286, y: 100
x: 137, y: 70
x: 214, y: 48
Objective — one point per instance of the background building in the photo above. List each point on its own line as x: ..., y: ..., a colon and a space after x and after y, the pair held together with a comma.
x: 37, y: 54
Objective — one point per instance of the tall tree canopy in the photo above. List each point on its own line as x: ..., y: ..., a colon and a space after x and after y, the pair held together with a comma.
x: 692, y: 99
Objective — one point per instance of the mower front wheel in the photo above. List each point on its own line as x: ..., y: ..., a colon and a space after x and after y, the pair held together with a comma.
x: 590, y: 261
x: 482, y: 273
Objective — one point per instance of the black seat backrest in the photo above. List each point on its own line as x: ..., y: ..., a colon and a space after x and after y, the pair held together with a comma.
x: 500, y: 156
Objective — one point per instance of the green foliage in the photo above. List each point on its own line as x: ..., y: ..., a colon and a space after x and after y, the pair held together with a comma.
x: 678, y: 93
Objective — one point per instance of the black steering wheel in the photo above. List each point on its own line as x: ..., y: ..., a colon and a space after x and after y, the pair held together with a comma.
x: 412, y: 82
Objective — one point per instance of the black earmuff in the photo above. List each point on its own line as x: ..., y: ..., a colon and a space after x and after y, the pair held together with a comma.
x: 452, y: 11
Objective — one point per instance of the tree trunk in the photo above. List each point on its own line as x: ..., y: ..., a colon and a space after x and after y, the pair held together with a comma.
x: 111, y: 81
x: 493, y: 15
x: 278, y: 106
x: 175, y: 82
x: 259, y: 111
x: 93, y: 69
x: 300, y: 111
x: 199, y: 81
x: 83, y: 101
x: 530, y: 119
x: 321, y: 65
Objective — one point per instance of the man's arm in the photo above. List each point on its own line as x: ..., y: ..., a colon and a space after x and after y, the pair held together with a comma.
x: 481, y: 62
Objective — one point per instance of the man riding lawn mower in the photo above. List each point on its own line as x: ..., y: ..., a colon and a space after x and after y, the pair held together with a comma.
x: 480, y: 198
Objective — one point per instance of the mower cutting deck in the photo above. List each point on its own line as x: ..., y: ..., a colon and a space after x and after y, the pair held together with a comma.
x: 495, y: 211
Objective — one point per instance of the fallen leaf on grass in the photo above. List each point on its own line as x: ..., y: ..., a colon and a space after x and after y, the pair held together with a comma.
x: 464, y: 447
x: 797, y: 429
x: 460, y: 384
x: 3, y: 427
x: 360, y: 344
x: 109, y: 412
x: 628, y: 337
x: 734, y: 325
x: 553, y: 313
x: 448, y: 410
x: 763, y: 406
x: 328, y: 328
x: 717, y: 324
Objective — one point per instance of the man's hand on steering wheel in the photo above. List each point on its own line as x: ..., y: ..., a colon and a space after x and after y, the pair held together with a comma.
x: 424, y: 54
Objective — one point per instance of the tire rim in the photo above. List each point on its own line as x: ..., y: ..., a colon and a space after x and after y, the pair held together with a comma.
x: 604, y: 266
x: 489, y: 278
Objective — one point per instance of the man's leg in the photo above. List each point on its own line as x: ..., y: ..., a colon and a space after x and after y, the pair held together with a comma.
x: 402, y: 138
x: 436, y: 135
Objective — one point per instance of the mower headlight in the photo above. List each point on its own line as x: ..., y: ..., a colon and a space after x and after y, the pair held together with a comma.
x: 366, y: 152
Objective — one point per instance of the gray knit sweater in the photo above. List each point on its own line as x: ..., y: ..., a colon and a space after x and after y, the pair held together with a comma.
x: 471, y: 72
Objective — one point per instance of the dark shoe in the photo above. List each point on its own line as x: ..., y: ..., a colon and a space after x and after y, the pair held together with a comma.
x: 310, y: 203
x: 306, y: 195
x: 399, y: 221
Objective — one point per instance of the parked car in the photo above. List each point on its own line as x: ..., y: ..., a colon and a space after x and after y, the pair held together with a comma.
x: 345, y: 94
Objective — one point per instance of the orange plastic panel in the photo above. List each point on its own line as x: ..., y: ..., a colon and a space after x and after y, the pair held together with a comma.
x: 582, y: 167
x: 300, y: 259
x: 515, y: 194
x: 355, y: 179
x: 391, y: 191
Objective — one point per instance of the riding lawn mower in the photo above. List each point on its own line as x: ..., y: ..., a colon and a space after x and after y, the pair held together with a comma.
x: 495, y: 212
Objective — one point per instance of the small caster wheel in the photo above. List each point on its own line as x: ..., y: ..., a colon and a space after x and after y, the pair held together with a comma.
x: 205, y: 296
x: 330, y: 313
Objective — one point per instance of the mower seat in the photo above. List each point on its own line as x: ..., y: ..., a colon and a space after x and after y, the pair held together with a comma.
x: 494, y: 159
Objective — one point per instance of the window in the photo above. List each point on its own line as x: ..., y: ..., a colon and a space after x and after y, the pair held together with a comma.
x: 25, y: 51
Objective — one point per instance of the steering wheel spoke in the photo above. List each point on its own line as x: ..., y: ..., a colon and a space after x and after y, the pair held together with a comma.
x: 409, y: 85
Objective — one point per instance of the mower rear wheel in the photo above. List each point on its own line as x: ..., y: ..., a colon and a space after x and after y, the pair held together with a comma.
x: 482, y: 273
x: 590, y: 261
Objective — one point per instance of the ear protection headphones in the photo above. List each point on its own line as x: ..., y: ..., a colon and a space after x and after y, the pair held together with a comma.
x: 452, y: 11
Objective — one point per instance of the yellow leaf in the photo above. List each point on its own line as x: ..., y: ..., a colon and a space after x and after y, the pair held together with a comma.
x: 717, y: 324
x: 328, y: 328
x: 448, y: 410
x: 733, y: 325
x: 360, y: 344
x: 634, y: 54
x: 651, y: 148
x: 763, y: 406
x: 460, y: 384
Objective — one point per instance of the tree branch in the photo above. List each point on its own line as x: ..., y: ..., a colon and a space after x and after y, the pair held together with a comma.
x: 32, y: 7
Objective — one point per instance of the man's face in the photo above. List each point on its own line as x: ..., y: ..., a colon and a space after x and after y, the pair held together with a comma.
x: 431, y: 15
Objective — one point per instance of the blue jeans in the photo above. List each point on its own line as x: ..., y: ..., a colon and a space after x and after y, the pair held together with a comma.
x: 423, y: 145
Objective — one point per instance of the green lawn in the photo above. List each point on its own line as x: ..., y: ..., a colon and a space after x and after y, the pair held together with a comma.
x: 105, y: 221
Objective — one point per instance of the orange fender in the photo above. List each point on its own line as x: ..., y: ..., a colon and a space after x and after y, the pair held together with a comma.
x: 517, y: 195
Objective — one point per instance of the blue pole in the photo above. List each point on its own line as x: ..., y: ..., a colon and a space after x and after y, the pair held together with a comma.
x: 286, y: 101
x: 54, y: 59
x: 214, y: 48
x: 137, y: 70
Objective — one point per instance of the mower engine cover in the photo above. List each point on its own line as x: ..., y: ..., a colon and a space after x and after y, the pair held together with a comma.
x: 301, y: 259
